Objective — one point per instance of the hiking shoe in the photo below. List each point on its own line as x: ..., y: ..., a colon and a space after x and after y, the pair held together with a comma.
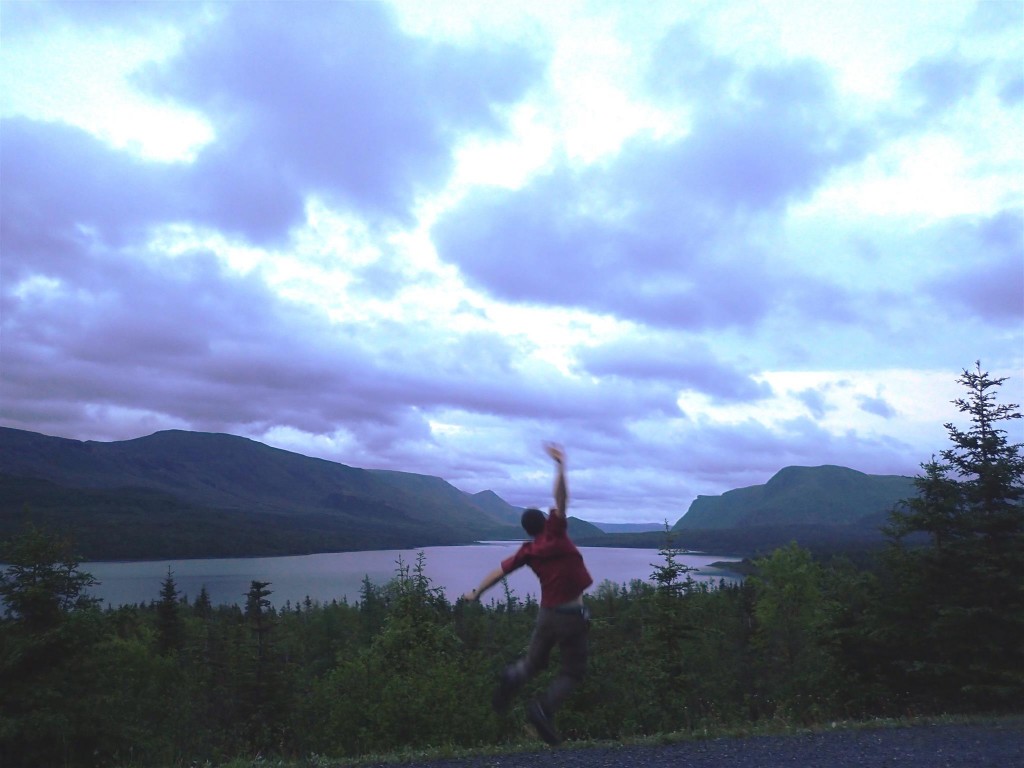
x: 545, y: 728
x: 506, y: 690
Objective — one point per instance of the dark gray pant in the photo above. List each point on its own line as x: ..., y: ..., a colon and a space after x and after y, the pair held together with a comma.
x: 568, y: 628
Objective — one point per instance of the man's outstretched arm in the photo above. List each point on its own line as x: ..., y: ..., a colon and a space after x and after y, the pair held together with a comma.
x: 489, y: 581
x: 557, y: 453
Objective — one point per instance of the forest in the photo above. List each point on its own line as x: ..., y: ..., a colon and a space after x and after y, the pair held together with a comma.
x: 932, y: 624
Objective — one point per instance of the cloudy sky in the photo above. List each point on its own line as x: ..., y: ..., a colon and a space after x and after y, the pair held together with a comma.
x: 695, y: 243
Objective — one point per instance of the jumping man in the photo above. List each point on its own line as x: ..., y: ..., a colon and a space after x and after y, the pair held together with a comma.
x: 562, y: 618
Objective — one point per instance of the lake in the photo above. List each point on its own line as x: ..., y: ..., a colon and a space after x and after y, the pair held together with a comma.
x: 339, y: 575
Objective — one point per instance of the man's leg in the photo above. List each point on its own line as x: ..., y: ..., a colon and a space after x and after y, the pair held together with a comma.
x: 573, y: 634
x: 536, y: 659
x: 572, y: 631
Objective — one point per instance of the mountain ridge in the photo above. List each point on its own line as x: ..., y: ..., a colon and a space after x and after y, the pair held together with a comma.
x: 176, y: 493
x: 175, y: 478
x: 797, y: 495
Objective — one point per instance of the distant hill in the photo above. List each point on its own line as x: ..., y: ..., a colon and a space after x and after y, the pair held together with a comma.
x: 630, y: 527
x: 826, y: 495
x: 194, y: 494
x: 493, y: 503
x: 581, y: 529
x: 827, y: 509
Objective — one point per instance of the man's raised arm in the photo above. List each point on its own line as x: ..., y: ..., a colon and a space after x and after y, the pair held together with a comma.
x: 561, y: 493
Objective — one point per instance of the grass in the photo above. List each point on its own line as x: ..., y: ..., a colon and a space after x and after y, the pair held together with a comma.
x: 524, y: 745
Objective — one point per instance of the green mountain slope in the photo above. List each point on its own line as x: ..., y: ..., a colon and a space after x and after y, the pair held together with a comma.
x: 801, y: 496
x: 580, y: 529
x: 498, y: 507
x: 828, y: 510
x: 200, y: 494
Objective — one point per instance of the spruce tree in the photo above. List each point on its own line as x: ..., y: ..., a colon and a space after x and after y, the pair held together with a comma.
x: 42, y: 582
x: 203, y: 608
x: 49, y: 634
x: 169, y: 627
x: 667, y: 632
x: 956, y: 617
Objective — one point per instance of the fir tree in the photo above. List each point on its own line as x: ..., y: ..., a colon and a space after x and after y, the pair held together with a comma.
x: 42, y: 581
x: 169, y: 627
x: 956, y: 615
x: 203, y: 608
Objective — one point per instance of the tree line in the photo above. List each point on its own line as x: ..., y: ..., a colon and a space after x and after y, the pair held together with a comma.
x: 932, y: 625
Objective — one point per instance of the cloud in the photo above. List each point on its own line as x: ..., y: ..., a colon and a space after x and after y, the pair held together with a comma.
x: 671, y: 232
x: 934, y: 86
x: 686, y: 366
x: 758, y: 231
x: 329, y: 99
x: 61, y: 184
x: 185, y: 339
x: 634, y: 241
x: 22, y: 18
x: 684, y: 65
x: 876, y: 405
x: 940, y: 83
x: 774, y: 141
x: 126, y: 338
x: 984, y: 277
x: 326, y: 99
x: 816, y: 401
x: 993, y: 17
x: 1012, y: 91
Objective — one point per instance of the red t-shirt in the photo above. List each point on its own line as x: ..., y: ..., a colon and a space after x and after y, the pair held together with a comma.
x: 556, y: 561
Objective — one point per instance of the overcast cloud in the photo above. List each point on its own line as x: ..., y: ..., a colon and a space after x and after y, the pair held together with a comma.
x: 695, y: 244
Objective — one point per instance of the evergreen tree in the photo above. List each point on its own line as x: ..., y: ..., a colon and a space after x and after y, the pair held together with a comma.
x: 790, y: 609
x: 257, y: 611
x: 413, y: 680
x: 372, y: 608
x: 203, y: 608
x: 42, y: 582
x: 955, y: 619
x: 169, y: 627
x: 48, y: 638
x: 666, y: 634
x: 669, y: 574
x: 265, y: 697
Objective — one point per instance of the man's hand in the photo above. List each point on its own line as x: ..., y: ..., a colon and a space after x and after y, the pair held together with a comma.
x: 556, y: 452
x: 489, y: 581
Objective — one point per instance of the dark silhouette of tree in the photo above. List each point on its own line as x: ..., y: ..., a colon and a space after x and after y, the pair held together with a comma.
x: 954, y: 617
x: 169, y: 627
x: 669, y: 574
x: 48, y: 639
x: 265, y: 686
x: 42, y: 581
x: 203, y: 608
x: 257, y: 611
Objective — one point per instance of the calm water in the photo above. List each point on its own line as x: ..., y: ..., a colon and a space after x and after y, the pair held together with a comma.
x: 338, y: 576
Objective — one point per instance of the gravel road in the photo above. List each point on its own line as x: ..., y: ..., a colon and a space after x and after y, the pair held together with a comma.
x: 996, y: 745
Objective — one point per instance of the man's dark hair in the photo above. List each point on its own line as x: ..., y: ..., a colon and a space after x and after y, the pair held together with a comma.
x: 533, y: 521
